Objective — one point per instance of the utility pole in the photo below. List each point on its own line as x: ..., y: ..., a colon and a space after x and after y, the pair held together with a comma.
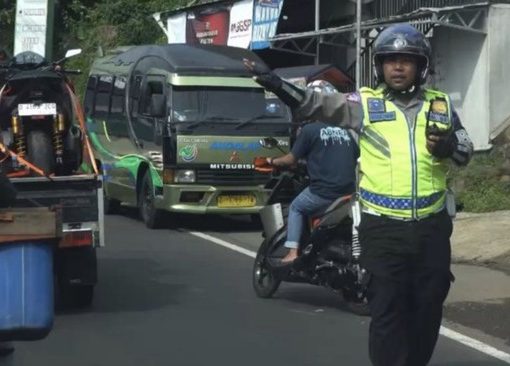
x: 317, y: 28
x: 358, y: 44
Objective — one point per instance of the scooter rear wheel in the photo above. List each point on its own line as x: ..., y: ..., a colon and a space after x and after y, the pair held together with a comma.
x: 40, y: 151
x: 264, y: 282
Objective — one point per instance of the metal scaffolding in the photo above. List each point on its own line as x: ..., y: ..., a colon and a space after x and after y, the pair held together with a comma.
x: 360, y: 35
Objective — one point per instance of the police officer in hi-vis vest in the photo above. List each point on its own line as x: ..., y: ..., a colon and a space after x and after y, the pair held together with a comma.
x: 408, y: 134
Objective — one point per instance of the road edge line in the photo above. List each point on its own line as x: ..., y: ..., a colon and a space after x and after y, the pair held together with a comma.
x: 444, y: 331
x: 475, y: 344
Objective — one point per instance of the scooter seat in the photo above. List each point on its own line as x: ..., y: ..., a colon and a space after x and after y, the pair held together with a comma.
x: 337, y: 210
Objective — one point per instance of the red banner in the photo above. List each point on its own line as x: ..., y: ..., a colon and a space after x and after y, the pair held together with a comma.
x: 208, y: 27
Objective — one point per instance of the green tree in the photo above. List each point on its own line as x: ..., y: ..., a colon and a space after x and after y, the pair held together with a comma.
x: 90, y: 24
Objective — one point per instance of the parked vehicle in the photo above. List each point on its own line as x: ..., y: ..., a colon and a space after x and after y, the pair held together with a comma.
x: 47, y: 157
x: 176, y: 127
x: 329, y: 251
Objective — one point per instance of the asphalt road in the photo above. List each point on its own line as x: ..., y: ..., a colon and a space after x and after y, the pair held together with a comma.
x: 166, y: 297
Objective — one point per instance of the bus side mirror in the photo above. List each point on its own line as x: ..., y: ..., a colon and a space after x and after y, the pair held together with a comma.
x: 158, y: 105
x: 268, y: 142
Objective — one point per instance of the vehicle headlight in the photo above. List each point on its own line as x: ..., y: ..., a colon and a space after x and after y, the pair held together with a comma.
x: 184, y: 176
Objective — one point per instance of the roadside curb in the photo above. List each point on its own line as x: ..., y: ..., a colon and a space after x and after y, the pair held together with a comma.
x: 482, y: 239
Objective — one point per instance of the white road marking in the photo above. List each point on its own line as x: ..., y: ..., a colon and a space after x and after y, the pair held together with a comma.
x: 224, y: 243
x: 446, y: 332
x: 475, y: 344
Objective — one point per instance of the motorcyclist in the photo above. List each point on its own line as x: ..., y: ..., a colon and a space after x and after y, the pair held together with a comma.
x: 330, y: 154
x: 407, y: 135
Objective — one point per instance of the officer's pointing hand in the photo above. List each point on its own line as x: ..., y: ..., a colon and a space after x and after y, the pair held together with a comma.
x: 263, y: 75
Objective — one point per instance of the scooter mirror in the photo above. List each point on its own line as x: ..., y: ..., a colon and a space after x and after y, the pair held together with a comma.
x: 73, y: 52
x: 268, y: 142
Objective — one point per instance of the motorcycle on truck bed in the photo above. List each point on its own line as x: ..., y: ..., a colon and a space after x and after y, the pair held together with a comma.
x: 46, y: 154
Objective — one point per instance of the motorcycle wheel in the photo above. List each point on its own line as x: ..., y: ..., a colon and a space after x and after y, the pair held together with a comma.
x: 40, y: 151
x: 264, y: 282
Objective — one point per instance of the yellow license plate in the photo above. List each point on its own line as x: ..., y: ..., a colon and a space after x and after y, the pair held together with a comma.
x: 236, y: 201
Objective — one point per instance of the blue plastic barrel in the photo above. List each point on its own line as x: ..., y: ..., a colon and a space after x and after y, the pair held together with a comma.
x: 26, y: 291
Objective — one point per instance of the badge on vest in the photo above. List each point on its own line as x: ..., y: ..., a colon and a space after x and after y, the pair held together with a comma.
x: 377, y: 111
x: 376, y: 105
x: 382, y: 116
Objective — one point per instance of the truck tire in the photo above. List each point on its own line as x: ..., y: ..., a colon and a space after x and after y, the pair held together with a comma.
x: 76, y: 297
x: 40, y: 151
x: 151, y: 216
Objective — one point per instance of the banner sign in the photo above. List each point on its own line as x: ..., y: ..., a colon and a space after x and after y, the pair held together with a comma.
x: 176, y: 26
x: 240, y: 24
x: 244, y: 23
x: 208, y: 26
x: 265, y: 20
x: 31, y: 30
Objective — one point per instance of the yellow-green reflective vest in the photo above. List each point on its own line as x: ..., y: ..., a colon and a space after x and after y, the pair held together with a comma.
x: 399, y: 177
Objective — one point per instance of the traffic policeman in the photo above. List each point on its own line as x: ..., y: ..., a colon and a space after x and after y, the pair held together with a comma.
x: 408, y: 134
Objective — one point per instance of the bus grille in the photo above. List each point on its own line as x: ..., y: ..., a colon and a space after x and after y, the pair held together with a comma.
x: 231, y: 177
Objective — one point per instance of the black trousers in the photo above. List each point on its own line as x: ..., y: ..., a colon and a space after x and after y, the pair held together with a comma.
x: 409, y: 278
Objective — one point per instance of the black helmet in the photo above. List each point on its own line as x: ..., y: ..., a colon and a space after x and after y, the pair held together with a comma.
x: 402, y: 39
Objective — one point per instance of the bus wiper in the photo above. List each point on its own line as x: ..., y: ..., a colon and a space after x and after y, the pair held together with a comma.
x: 252, y: 119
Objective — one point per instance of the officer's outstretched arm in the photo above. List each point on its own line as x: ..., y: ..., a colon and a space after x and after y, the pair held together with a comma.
x: 339, y: 109
x: 290, y: 94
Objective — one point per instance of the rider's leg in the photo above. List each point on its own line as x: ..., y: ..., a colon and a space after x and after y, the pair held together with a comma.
x: 303, y: 206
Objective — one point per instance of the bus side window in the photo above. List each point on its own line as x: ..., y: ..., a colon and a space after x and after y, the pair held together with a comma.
x: 117, y: 123
x: 135, y: 94
x: 90, y: 95
x: 103, y: 96
x: 118, y: 94
x: 153, y: 85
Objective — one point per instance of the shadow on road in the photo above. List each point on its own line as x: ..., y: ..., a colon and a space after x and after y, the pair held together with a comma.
x: 310, y: 295
x: 218, y: 223
x: 132, y: 285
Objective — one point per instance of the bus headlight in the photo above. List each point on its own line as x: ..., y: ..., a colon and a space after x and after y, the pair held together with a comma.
x: 184, y: 176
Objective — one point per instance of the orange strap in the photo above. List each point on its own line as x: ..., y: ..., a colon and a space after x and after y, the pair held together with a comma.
x: 26, y: 163
x: 79, y: 113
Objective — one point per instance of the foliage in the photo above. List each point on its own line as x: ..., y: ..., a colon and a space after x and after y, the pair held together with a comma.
x: 106, y: 24
x: 479, y: 187
x: 7, y: 19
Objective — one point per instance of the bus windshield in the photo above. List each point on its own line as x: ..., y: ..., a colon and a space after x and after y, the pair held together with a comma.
x: 226, y: 105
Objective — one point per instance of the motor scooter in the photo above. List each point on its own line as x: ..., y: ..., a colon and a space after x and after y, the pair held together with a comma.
x: 329, y: 252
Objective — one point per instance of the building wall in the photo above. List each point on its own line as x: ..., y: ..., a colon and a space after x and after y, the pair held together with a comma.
x: 499, y: 67
x: 461, y: 63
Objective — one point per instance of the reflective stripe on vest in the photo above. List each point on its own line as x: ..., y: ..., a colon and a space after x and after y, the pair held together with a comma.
x: 399, y: 176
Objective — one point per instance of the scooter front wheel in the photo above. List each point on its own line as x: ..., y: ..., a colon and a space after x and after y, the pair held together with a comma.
x: 264, y: 282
